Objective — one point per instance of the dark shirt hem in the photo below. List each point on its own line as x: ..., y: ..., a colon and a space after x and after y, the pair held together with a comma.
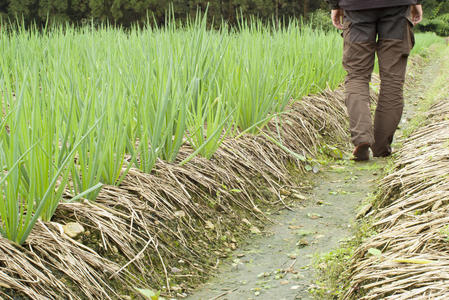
x: 363, y: 5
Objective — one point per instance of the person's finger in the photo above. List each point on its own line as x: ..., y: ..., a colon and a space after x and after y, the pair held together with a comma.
x: 340, y: 23
x: 336, y: 21
x: 417, y: 19
x: 337, y: 24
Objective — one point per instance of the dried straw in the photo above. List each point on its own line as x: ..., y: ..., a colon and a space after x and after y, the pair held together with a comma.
x: 158, y: 228
x: 412, y: 222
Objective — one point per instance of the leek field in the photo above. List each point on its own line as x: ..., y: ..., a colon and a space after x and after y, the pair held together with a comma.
x: 81, y: 106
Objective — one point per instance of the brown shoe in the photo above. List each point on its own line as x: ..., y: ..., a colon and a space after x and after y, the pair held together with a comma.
x: 361, y: 152
x: 384, y: 154
x: 387, y: 154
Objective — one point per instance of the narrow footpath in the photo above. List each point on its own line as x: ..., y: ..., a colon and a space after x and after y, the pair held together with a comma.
x: 277, y: 264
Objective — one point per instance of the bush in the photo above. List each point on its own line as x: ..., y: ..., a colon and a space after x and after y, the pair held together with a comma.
x: 321, y: 19
x: 439, y: 25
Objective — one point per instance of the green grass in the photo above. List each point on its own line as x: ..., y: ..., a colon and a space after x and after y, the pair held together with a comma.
x: 332, y: 267
x: 424, y: 41
x: 439, y: 90
x: 77, y: 101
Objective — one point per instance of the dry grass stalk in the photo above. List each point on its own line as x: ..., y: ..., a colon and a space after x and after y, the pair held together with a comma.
x: 156, y: 223
x: 413, y: 222
x: 41, y: 268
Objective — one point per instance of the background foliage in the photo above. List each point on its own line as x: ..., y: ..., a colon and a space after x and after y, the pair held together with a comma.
x: 436, y: 17
x: 127, y: 12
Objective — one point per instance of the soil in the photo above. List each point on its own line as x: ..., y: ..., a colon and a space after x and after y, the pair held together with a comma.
x: 277, y: 264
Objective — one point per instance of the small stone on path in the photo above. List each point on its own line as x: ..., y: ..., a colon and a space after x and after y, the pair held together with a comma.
x: 73, y: 229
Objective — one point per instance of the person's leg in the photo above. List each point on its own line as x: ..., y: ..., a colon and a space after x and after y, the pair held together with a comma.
x: 394, y: 45
x: 358, y: 60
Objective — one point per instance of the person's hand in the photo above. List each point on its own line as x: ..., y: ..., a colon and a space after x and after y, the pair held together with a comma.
x: 337, y: 18
x: 417, y: 14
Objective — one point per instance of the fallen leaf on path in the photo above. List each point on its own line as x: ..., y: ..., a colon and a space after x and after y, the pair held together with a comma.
x: 302, y: 243
x: 293, y: 227
x: 314, y: 216
x: 298, y: 196
x: 321, y: 202
x: 285, y: 282
x: 303, y: 233
x: 149, y: 294
x: 264, y: 274
x: 291, y: 270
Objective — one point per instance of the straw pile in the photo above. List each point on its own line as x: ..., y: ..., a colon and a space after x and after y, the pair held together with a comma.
x: 413, y: 226
x: 168, y: 229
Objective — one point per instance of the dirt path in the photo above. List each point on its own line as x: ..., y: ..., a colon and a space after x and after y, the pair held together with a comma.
x: 277, y: 263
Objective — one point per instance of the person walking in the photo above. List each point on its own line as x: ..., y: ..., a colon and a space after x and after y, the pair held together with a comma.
x: 384, y: 27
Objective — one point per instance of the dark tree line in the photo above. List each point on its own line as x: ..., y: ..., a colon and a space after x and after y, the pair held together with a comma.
x: 126, y: 12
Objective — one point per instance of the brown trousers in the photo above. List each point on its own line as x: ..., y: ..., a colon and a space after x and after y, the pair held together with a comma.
x: 387, y: 31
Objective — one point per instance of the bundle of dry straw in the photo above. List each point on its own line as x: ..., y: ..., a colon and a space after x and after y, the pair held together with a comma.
x: 413, y: 233
x: 167, y: 228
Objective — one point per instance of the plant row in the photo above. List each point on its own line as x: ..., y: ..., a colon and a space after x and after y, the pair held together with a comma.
x: 82, y: 106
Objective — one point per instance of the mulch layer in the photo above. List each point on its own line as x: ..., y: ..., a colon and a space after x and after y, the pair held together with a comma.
x: 168, y: 230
